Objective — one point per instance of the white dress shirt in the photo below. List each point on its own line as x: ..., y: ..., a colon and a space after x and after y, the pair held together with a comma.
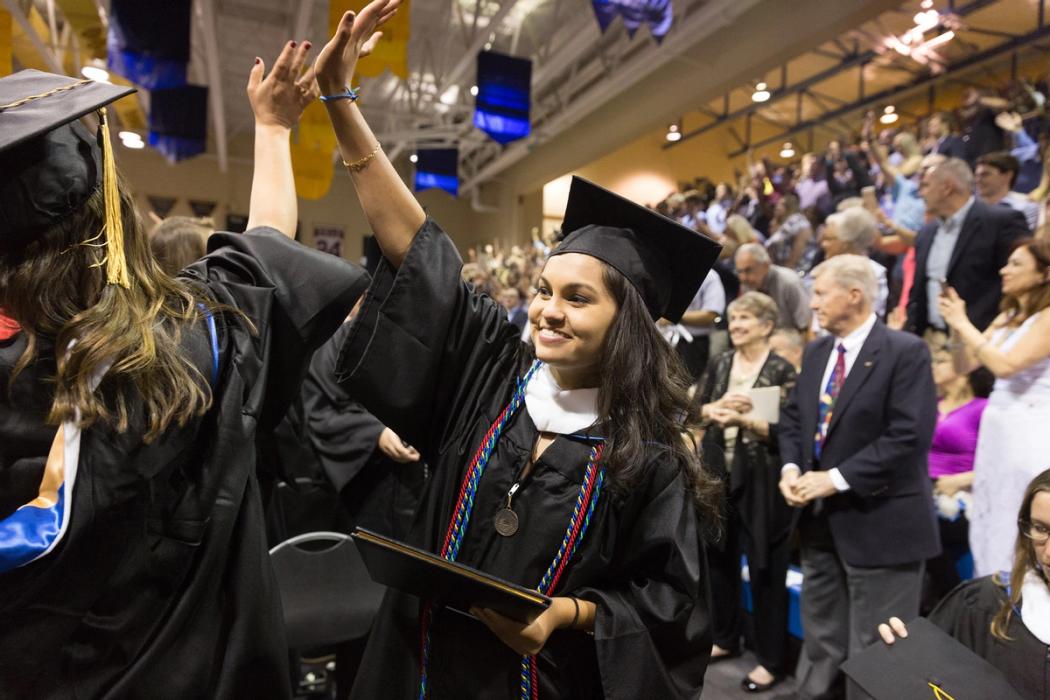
x: 852, y: 343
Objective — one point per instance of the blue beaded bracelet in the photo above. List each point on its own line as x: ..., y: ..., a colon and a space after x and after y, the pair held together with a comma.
x: 351, y: 94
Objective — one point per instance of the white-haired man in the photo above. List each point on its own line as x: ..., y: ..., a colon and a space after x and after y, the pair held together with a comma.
x: 757, y: 273
x: 853, y: 232
x: 854, y: 438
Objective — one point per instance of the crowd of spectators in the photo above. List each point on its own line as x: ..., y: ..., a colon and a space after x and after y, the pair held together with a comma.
x: 949, y: 215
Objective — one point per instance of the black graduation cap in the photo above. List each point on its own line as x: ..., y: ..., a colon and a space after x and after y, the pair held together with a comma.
x: 665, y: 261
x: 928, y: 663
x: 50, y: 164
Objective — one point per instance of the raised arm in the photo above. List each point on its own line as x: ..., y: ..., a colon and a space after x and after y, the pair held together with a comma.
x: 278, y: 100
x: 393, y: 213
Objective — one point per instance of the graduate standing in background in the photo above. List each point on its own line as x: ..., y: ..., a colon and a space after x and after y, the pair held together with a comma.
x: 564, y: 470
x: 133, y: 561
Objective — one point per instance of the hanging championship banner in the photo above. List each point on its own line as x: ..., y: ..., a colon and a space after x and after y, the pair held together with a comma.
x: 161, y: 206
x: 5, y: 43
x: 438, y: 168
x: 658, y: 14
x: 391, y: 51
x: 501, y: 108
x: 202, y: 209
x: 178, y: 121
x: 313, y: 144
x: 149, y: 42
x: 329, y: 239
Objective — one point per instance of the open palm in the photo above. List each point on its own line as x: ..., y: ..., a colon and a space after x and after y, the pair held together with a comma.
x: 356, y: 36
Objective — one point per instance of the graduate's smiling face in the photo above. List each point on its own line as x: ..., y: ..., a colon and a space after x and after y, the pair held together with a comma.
x: 1039, y: 520
x: 571, y: 315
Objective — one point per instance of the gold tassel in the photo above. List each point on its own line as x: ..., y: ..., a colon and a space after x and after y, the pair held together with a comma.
x: 116, y: 263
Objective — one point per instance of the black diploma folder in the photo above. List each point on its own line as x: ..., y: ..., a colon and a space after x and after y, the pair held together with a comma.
x: 927, y: 664
x: 444, y: 583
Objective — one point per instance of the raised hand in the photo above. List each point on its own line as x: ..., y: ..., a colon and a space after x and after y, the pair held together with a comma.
x: 355, y: 37
x: 280, y: 98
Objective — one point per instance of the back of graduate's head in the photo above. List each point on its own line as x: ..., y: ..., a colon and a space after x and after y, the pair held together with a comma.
x: 1031, y: 548
x: 57, y: 288
x: 178, y: 241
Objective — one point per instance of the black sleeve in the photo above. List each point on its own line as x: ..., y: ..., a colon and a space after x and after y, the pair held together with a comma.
x: 294, y: 297
x: 342, y: 434
x: 1010, y: 227
x: 789, y: 431
x: 652, y: 628
x: 426, y: 349
x: 966, y: 613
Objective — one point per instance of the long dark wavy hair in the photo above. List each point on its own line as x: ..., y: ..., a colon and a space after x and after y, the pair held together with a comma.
x: 1024, y: 558
x: 1018, y: 309
x: 55, y: 288
x: 643, y: 398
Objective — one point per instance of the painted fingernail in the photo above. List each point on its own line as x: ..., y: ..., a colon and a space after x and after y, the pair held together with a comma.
x: 292, y: 44
x: 258, y: 60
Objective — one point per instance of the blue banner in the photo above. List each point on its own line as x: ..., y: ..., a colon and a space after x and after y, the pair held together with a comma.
x: 149, y: 42
x: 656, y: 13
x: 501, y: 108
x: 178, y: 121
x: 438, y: 168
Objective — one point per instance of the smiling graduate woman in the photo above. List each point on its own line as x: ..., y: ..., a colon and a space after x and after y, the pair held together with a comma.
x: 561, y: 468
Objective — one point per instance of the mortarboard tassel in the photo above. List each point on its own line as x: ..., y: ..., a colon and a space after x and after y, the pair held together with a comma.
x: 116, y: 263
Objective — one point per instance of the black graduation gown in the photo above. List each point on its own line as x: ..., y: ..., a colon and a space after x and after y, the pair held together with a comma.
x: 161, y: 587
x: 437, y: 362
x: 377, y: 492
x: 967, y: 613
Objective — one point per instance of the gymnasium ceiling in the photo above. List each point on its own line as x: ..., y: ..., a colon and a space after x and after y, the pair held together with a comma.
x: 578, y: 72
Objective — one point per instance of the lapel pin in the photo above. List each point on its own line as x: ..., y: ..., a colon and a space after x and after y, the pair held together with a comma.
x: 869, y: 363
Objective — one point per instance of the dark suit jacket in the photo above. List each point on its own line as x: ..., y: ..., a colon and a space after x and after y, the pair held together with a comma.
x: 953, y: 147
x: 985, y: 240
x: 879, y: 437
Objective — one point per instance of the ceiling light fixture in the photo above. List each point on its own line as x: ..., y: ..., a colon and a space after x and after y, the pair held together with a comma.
x: 761, y: 93
x: 788, y: 151
x: 474, y: 90
x: 674, y: 132
x: 413, y: 158
x: 889, y: 115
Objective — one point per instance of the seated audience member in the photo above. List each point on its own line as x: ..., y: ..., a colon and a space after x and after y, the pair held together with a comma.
x: 854, y: 438
x: 961, y: 401
x: 742, y: 450
x: 758, y: 273
x: 965, y: 247
x: 789, y: 344
x: 178, y: 241
x: 853, y: 232
x: 513, y: 301
x: 995, y: 176
x: 791, y: 233
x: 1014, y: 439
x: 1005, y: 617
x: 701, y: 319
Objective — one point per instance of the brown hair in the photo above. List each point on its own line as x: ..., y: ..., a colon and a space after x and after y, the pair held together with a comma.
x: 1003, y: 162
x: 1039, y: 297
x: 1024, y: 557
x: 55, y: 288
x: 644, y: 400
x: 178, y: 241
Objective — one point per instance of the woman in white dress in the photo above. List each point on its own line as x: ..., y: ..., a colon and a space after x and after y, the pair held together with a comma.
x: 1014, y: 441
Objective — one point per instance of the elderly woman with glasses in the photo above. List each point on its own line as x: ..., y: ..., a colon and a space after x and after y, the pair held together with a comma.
x: 742, y: 447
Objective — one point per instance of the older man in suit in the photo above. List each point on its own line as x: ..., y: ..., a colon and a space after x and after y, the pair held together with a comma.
x: 854, y: 438
x: 966, y: 246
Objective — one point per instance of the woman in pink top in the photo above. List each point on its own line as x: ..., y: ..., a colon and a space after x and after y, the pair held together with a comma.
x: 962, y: 401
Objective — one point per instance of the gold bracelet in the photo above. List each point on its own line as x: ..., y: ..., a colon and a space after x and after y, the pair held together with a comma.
x: 359, y: 165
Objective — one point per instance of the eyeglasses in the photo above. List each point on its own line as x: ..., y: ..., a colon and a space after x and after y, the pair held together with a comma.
x: 1037, y: 532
